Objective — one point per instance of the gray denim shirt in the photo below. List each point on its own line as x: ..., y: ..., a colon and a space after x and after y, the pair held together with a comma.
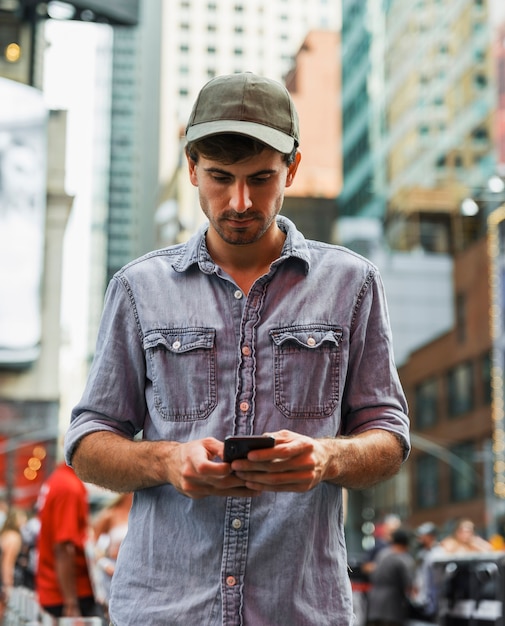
x: 183, y: 353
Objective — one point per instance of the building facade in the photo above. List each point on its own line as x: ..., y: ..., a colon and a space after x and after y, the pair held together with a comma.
x: 440, y: 99
x: 362, y: 102
x: 448, y: 387
x: 30, y: 391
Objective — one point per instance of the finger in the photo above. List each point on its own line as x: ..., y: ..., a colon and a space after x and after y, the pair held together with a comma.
x: 277, y: 478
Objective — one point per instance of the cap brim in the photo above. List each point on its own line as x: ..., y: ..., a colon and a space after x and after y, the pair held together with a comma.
x: 270, y: 136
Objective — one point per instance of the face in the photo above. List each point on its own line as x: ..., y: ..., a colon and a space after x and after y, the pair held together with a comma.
x: 241, y: 200
x: 465, y: 532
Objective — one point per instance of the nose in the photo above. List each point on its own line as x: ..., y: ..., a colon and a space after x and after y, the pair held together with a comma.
x: 240, y: 199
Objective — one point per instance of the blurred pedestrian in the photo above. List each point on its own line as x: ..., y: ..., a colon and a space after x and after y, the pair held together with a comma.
x: 62, y: 580
x: 27, y: 559
x: 10, y: 546
x: 109, y: 529
x: 392, y: 578
x: 4, y: 509
x: 424, y: 597
x: 383, y: 537
x: 464, y: 539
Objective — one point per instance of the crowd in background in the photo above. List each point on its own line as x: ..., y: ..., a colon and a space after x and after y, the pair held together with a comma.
x: 400, y: 579
x: 39, y: 549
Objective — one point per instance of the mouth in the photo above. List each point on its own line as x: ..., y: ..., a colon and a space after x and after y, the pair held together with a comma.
x: 239, y: 223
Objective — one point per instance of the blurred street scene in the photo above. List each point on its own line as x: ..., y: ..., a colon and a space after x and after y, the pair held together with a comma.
x: 402, y: 117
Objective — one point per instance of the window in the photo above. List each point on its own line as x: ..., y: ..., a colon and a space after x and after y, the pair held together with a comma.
x: 462, y: 481
x: 486, y: 378
x: 480, y: 80
x: 427, y: 482
x: 480, y: 134
x: 426, y: 404
x: 460, y: 389
x: 461, y: 317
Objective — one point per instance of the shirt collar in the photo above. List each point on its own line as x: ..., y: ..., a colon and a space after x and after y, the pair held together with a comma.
x: 195, y: 250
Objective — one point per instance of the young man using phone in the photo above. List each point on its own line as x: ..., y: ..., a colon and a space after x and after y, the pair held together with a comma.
x: 248, y: 328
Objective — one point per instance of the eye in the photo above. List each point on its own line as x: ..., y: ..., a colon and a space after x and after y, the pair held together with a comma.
x: 220, y: 178
x: 260, y: 180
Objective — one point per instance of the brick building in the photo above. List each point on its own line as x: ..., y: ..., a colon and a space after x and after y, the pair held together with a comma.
x: 448, y: 387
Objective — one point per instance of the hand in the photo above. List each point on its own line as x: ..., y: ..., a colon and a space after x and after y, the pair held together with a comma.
x: 71, y: 609
x: 296, y: 463
x: 195, y: 470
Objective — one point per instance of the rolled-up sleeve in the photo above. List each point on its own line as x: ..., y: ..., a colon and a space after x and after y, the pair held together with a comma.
x: 114, y: 396
x: 373, y: 396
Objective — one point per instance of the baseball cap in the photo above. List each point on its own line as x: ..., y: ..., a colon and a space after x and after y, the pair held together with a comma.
x: 245, y: 104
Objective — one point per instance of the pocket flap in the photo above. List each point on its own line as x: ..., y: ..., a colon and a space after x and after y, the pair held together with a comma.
x: 306, y: 336
x: 180, y: 339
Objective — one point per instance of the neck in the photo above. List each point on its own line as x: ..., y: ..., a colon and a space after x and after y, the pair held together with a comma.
x: 246, y: 256
x: 246, y: 263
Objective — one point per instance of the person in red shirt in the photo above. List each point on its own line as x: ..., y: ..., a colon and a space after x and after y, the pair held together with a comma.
x: 63, y: 583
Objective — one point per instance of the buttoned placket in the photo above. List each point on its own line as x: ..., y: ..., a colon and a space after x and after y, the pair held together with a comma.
x: 237, y: 518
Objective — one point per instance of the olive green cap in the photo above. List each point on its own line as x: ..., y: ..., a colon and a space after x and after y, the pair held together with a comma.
x: 245, y: 104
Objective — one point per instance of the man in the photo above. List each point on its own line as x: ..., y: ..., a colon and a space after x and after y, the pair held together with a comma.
x: 247, y: 328
x: 425, y: 589
x: 62, y: 581
x: 382, y: 540
x: 388, y: 598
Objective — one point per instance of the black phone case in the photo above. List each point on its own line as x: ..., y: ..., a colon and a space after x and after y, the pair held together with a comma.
x: 238, y: 447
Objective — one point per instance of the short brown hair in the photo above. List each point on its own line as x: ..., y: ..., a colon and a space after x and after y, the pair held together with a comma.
x: 230, y: 148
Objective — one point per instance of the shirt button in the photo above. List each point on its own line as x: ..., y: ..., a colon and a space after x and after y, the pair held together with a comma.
x: 311, y: 341
x: 238, y: 294
x: 246, y: 350
x: 236, y: 523
x: 231, y: 581
x: 244, y: 406
x: 176, y: 345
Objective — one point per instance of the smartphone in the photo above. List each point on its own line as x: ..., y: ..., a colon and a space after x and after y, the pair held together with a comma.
x: 237, y: 447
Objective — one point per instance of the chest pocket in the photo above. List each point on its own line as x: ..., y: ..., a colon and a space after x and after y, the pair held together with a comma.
x: 306, y: 362
x: 183, y: 372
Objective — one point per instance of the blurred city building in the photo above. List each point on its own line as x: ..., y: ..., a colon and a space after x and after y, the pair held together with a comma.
x: 448, y: 387
x: 499, y: 56
x: 31, y: 239
x: 314, y: 84
x: 440, y: 98
x: 35, y: 210
x: 363, y: 83
x: 421, y: 89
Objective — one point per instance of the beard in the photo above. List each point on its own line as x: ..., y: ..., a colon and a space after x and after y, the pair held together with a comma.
x: 241, y: 229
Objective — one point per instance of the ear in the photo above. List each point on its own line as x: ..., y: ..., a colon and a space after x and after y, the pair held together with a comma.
x: 292, y: 169
x: 192, y: 170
